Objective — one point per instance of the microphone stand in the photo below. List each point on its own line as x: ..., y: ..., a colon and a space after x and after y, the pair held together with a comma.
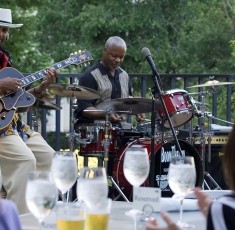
x: 157, y: 91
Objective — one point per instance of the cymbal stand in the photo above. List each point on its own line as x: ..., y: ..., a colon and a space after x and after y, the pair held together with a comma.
x: 203, y: 136
x: 106, y: 143
x: 73, y: 138
x: 35, y: 120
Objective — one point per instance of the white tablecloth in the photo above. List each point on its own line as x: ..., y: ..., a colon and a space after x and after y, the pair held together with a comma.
x: 119, y: 220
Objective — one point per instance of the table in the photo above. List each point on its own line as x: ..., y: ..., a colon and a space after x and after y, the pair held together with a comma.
x: 118, y: 219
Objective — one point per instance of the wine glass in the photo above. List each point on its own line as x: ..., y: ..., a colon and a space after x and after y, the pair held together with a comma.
x: 41, y: 194
x: 136, y: 170
x: 65, y: 171
x: 136, y: 165
x: 181, y: 179
x: 92, y: 186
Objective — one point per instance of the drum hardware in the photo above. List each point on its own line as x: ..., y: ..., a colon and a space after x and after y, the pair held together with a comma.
x: 106, y: 143
x: 73, y: 91
x: 203, y: 137
x: 200, y: 93
x: 98, y: 140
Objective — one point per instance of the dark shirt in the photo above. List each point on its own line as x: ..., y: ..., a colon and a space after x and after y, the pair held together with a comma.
x: 88, y: 80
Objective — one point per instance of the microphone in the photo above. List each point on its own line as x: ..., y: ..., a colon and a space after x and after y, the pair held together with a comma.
x: 146, y: 53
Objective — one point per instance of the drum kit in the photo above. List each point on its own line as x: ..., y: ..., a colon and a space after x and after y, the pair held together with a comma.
x: 104, y: 140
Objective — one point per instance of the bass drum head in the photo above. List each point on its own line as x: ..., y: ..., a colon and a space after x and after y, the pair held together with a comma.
x: 161, y: 165
x: 162, y: 161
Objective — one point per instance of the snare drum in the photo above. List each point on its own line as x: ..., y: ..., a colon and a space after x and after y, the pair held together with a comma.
x: 178, y: 106
x: 92, y: 139
x: 163, y: 153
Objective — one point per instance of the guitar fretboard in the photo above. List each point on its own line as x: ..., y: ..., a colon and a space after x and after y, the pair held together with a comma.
x: 73, y: 59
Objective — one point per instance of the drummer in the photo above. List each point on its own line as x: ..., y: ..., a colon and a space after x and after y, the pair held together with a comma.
x: 110, y: 80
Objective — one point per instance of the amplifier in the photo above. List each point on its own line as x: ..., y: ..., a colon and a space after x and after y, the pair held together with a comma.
x: 215, y: 140
x: 214, y: 165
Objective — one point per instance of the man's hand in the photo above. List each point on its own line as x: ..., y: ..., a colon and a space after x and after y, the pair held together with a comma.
x: 8, y: 85
x: 140, y: 117
x: 114, y: 118
x: 48, y: 79
x: 204, y: 201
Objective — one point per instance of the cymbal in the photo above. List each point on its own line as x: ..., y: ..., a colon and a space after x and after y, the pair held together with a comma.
x: 212, y: 83
x: 72, y: 91
x: 47, y: 96
x: 44, y: 104
x: 133, y: 105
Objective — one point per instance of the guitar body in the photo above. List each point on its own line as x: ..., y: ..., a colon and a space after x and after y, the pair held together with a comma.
x: 19, y: 99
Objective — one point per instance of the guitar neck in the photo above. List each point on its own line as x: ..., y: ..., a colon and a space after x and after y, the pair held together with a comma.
x: 77, y: 58
x: 27, y: 80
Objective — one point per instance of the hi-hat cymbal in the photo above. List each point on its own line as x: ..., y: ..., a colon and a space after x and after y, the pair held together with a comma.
x: 211, y: 83
x: 73, y: 91
x: 133, y: 105
x: 44, y: 104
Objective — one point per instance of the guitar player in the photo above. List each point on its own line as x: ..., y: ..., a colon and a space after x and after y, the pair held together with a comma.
x: 21, y: 149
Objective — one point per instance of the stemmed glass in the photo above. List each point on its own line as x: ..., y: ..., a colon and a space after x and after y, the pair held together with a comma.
x: 65, y: 171
x: 136, y: 170
x: 92, y: 186
x: 181, y: 179
x: 41, y: 194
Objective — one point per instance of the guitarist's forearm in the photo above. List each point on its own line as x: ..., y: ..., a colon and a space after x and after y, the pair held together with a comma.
x: 37, y: 91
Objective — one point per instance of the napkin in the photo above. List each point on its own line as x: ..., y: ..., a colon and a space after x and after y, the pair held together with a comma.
x: 213, y: 194
x: 173, y: 204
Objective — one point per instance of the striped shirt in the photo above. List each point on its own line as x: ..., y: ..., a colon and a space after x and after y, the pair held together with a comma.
x: 222, y: 213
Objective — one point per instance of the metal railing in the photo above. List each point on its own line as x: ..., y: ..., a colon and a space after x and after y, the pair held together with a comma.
x: 144, y: 82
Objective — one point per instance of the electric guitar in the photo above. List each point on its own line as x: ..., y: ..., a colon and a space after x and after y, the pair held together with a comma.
x: 22, y: 99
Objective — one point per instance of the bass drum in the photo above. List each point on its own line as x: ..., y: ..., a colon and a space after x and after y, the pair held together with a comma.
x: 163, y: 153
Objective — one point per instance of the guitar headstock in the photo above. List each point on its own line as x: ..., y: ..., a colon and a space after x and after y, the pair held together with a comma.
x: 80, y: 57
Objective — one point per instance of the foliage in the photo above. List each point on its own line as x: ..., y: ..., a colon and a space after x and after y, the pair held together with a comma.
x: 184, y: 36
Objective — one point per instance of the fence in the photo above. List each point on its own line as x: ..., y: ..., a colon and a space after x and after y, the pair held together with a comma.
x: 172, y: 81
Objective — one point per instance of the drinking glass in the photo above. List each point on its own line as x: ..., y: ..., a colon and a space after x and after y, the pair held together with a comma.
x: 181, y: 179
x: 65, y: 171
x: 136, y: 170
x: 92, y: 186
x: 136, y: 165
x: 70, y: 216
x: 41, y: 194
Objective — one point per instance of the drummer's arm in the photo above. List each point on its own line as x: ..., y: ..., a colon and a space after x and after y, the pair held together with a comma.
x: 100, y: 115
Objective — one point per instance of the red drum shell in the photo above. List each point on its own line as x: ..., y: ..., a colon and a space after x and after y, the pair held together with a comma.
x: 178, y: 106
x: 93, y: 135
